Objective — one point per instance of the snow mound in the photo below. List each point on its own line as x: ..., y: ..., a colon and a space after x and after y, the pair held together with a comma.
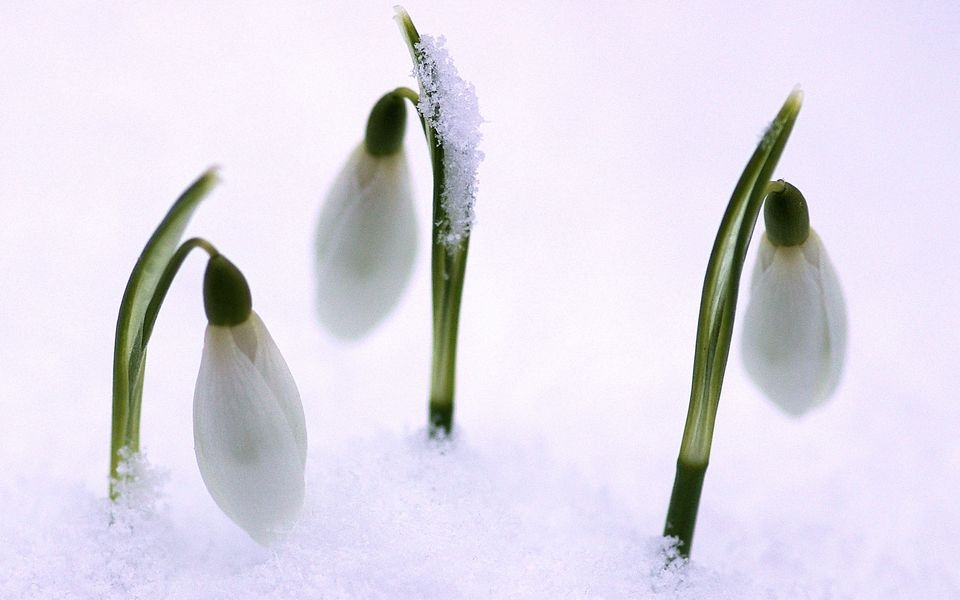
x: 395, y: 516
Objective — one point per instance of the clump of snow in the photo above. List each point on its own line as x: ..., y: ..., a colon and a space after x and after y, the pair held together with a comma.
x: 138, y: 484
x: 449, y: 105
x: 59, y: 541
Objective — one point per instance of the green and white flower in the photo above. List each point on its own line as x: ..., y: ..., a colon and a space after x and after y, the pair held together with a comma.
x: 795, y: 326
x: 366, y: 239
x: 248, y: 424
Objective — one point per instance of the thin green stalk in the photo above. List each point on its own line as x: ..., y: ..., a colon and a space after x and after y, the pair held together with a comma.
x: 715, y: 326
x: 163, y: 285
x: 451, y: 265
x: 684, y: 503
x: 131, y: 437
x: 448, y: 267
x: 135, y: 320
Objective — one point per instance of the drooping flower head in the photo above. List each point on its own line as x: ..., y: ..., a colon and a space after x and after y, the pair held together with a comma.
x: 366, y: 238
x: 248, y: 426
x: 795, y: 325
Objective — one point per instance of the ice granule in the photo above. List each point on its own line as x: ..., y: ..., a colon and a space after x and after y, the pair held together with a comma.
x: 449, y: 105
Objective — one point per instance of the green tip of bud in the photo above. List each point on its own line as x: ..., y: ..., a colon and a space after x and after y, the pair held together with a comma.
x: 786, y: 216
x: 226, y: 295
x: 386, y: 125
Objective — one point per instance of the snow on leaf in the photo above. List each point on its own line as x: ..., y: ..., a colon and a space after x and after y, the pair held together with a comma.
x: 449, y: 105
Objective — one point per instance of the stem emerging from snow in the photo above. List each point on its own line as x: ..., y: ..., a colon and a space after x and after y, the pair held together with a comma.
x: 447, y: 108
x: 448, y: 269
x: 126, y: 429
x: 146, y: 288
x: 718, y: 306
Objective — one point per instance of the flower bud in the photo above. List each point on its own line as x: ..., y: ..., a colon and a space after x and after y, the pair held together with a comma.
x: 386, y: 125
x: 226, y: 295
x: 795, y: 325
x: 248, y: 426
x: 785, y: 215
x: 366, y: 237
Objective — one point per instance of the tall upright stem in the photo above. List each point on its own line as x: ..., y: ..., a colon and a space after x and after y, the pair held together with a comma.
x: 718, y: 306
x: 448, y: 265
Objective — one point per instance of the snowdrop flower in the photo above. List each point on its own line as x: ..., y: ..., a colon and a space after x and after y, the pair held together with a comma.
x: 794, y: 335
x: 248, y: 425
x: 366, y: 238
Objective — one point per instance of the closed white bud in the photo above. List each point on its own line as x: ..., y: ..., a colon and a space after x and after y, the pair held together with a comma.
x: 366, y: 243
x: 248, y: 429
x: 795, y: 325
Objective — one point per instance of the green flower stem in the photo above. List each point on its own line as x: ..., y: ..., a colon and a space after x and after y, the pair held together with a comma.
x: 145, y: 289
x: 684, y: 503
x: 448, y: 266
x: 132, y: 433
x: 715, y: 327
x: 167, y: 278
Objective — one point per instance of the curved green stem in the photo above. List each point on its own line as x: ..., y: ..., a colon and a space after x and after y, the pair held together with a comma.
x: 413, y: 97
x: 150, y: 318
x: 715, y: 327
x: 136, y: 317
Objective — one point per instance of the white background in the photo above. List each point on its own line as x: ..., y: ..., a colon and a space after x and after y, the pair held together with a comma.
x: 615, y: 133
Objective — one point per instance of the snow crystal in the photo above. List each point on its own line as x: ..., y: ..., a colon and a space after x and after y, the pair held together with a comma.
x: 449, y: 105
x: 138, y: 483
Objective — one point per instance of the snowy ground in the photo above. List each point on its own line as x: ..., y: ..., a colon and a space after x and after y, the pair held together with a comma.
x: 614, y: 136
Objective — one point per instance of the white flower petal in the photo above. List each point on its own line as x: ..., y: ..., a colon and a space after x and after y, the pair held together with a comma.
x: 269, y: 363
x: 366, y: 243
x: 794, y: 334
x: 251, y: 456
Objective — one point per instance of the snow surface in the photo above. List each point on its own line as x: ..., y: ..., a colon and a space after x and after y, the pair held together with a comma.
x: 614, y: 135
x: 392, y: 517
x: 449, y: 104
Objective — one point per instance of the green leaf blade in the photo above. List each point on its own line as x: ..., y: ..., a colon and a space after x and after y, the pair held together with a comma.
x: 154, y: 258
x: 722, y: 280
x: 718, y: 305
